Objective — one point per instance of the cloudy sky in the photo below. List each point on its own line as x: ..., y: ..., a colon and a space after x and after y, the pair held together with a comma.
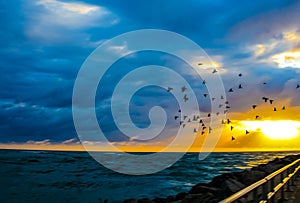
x: 45, y: 42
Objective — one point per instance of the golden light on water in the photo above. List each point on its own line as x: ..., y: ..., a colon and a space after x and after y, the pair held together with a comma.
x: 275, y: 130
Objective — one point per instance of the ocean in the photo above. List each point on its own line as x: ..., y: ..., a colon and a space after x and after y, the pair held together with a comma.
x: 53, y: 176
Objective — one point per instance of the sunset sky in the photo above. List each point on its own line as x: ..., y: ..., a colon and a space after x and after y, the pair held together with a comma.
x: 45, y: 42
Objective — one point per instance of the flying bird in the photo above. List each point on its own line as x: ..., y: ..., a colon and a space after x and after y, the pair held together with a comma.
x: 195, y: 130
x: 228, y: 121
x: 200, y: 64
x: 247, y: 132
x: 204, y: 82
x: 240, y: 75
x: 254, y: 106
x: 200, y: 121
x: 183, y: 89
x: 256, y: 117
x: 232, y: 138
x: 185, y: 98
x: 297, y: 86
x: 179, y: 110
x: 213, y: 99
x: 183, y: 125
x: 214, y: 71
x: 202, y: 132
x: 265, y: 98
x: 240, y: 86
x: 271, y: 101
x: 231, y: 128
x: 275, y: 109
x: 175, y: 117
x: 230, y: 90
x: 205, y: 95
x: 169, y: 89
x: 283, y: 108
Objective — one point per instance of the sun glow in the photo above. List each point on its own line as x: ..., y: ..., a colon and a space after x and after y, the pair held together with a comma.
x: 275, y: 130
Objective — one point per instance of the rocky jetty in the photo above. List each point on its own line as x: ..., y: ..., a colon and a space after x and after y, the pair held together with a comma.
x: 222, y: 186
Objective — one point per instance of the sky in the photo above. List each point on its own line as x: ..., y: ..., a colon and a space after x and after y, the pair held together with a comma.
x: 45, y: 42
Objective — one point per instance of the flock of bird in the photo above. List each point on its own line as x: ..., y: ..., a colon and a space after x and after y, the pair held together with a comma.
x: 183, y: 121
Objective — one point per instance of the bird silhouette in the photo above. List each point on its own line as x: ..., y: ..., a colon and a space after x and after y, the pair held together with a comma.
x: 264, y: 83
x: 254, y: 106
x: 217, y: 113
x: 228, y: 121
x: 240, y: 86
x: 181, y: 122
x: 205, y: 95
x: 179, y: 110
x: 213, y: 99
x: 232, y: 138
x: 240, y: 75
x: 189, y: 120
x: 271, y: 101
x: 230, y: 90
x: 175, y: 117
x: 265, y: 98
x: 256, y: 117
x: 247, y: 132
x: 204, y: 82
x: 275, y: 109
x: 208, y: 115
x: 200, y: 64
x: 200, y: 121
x: 283, y: 108
x: 195, y: 130
x: 183, y: 125
x: 203, y: 128
x: 169, y: 89
x: 185, y: 98
x: 231, y: 128
x: 202, y: 132
x: 183, y: 89
x: 297, y: 86
x: 214, y: 71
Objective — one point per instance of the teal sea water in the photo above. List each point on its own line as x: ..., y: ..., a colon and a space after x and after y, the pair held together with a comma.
x: 49, y: 176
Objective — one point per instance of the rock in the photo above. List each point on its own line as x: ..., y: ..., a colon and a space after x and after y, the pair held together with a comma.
x: 159, y: 200
x: 231, y: 186
x: 145, y: 200
x: 200, y: 188
x: 130, y: 201
x: 181, y: 196
x: 197, y: 198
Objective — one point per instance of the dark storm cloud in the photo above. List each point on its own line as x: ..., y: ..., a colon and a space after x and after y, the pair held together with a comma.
x: 41, y: 51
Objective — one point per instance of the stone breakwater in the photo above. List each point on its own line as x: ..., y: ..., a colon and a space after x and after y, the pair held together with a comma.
x: 223, y: 185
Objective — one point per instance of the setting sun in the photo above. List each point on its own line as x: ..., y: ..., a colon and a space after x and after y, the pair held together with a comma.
x: 275, y: 130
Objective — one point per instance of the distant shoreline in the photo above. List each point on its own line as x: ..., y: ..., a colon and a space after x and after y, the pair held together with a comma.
x: 148, y: 152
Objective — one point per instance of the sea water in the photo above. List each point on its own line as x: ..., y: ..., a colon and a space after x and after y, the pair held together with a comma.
x: 52, y: 176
